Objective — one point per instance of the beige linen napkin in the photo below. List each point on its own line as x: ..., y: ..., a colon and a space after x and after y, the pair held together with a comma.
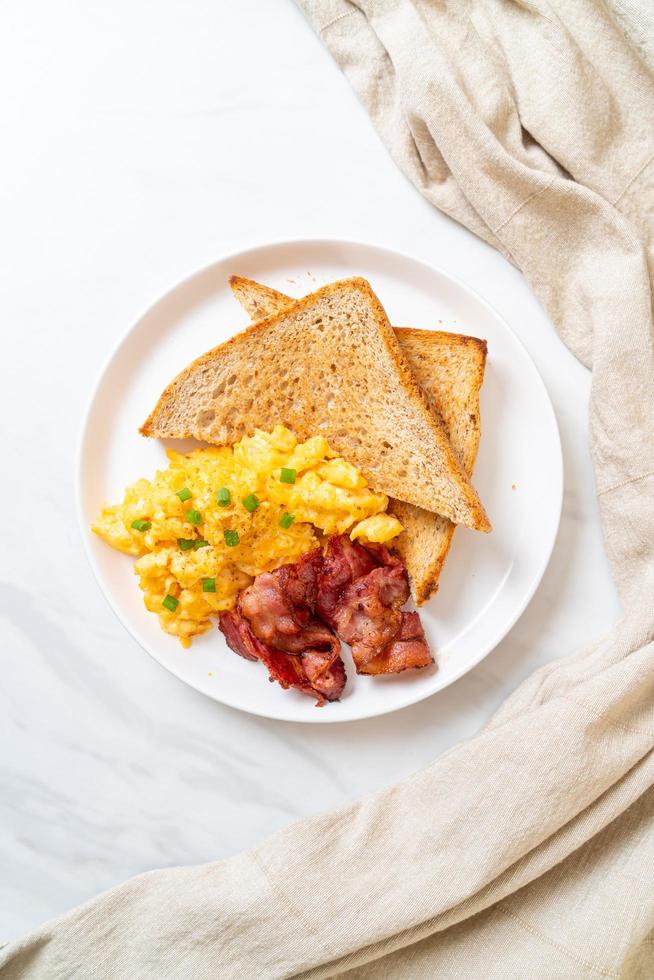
x: 528, y: 851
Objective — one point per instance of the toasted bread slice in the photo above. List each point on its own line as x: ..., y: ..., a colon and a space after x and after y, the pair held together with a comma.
x: 450, y: 369
x: 328, y: 364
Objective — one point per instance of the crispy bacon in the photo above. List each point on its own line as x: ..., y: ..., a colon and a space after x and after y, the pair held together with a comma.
x: 291, y: 619
x: 360, y: 594
x: 408, y: 650
x: 314, y: 672
x: 274, y: 622
x: 279, y: 607
x: 343, y: 562
x: 325, y: 675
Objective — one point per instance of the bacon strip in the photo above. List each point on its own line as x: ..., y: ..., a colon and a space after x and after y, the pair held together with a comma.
x: 409, y: 650
x: 291, y: 619
x: 279, y: 607
x: 360, y: 594
x: 343, y: 562
x: 274, y: 622
x: 314, y: 672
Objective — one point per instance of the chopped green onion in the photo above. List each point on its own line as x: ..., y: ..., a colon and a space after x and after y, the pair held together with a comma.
x: 286, y: 520
x: 231, y: 538
x: 287, y: 475
x: 251, y: 502
x: 193, y: 517
x: 170, y: 603
x: 200, y: 543
x: 186, y: 543
x: 139, y: 525
x: 224, y: 497
x: 184, y: 494
x: 208, y: 585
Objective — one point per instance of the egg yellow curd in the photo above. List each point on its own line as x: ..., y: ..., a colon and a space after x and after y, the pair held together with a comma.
x: 202, y: 528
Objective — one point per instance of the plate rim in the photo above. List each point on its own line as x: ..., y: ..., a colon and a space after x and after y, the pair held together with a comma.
x: 324, y: 717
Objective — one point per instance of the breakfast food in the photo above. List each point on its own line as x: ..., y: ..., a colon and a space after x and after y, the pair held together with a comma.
x: 275, y: 623
x: 203, y: 528
x: 328, y: 364
x: 310, y: 672
x: 282, y: 529
x: 293, y: 618
x: 361, y: 592
x: 450, y: 370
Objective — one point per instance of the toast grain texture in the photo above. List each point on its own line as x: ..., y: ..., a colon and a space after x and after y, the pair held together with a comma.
x: 329, y: 364
x: 450, y: 370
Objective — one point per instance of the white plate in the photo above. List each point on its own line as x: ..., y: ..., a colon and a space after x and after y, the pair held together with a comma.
x: 488, y: 579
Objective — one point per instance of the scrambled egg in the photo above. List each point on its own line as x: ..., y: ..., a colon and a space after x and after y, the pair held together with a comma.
x: 215, y: 518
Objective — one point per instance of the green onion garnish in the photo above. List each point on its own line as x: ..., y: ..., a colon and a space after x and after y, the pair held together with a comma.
x: 286, y: 520
x: 170, y: 603
x: 251, y: 502
x: 208, y: 585
x: 287, y: 475
x: 139, y: 525
x: 184, y: 494
x: 200, y: 543
x: 193, y: 517
x: 231, y: 538
x: 224, y: 497
x: 186, y: 543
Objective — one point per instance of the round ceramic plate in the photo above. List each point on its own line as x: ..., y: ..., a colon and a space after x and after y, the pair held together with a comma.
x: 487, y: 580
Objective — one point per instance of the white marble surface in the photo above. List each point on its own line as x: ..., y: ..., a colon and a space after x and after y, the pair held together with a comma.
x: 142, y: 140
